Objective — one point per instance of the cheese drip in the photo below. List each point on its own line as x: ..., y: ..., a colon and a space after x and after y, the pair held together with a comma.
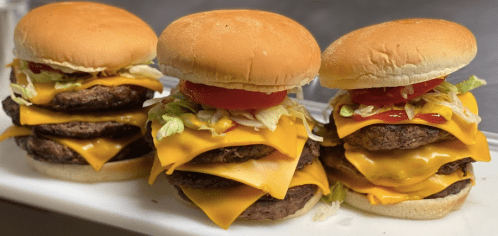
x: 224, y: 205
x: 97, y: 151
x: 178, y: 149
x: 462, y: 130
x: 31, y: 115
x: 15, y: 131
x: 272, y: 173
x: 396, y: 168
x: 390, y: 195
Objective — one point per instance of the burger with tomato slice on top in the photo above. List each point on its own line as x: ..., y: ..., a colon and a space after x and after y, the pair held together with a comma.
x: 78, y: 84
x: 229, y: 139
x: 401, y: 138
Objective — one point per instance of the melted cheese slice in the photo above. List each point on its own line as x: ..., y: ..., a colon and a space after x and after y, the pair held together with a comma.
x: 15, y: 131
x: 396, y: 168
x: 272, y: 173
x: 462, y: 130
x: 390, y: 195
x: 224, y: 205
x: 31, y: 115
x: 178, y: 149
x: 46, y: 91
x: 97, y: 151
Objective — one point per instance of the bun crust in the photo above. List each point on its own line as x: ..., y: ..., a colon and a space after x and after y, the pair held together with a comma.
x: 84, y: 36
x: 111, y: 171
x: 239, y: 49
x: 425, y: 209
x: 397, y: 53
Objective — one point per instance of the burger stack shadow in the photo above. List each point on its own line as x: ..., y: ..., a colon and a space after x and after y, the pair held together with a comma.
x: 78, y: 83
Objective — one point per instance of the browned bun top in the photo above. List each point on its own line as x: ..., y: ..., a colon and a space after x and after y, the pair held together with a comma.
x: 84, y: 36
x: 397, y: 53
x: 239, y: 49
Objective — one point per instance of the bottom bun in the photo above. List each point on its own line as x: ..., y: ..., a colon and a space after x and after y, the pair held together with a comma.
x: 424, y: 209
x: 111, y: 171
x: 308, y: 206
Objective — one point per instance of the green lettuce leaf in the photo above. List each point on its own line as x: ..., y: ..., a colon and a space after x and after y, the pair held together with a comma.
x: 337, y: 193
x: 172, y: 126
x: 270, y: 116
x: 346, y: 111
x: 472, y: 83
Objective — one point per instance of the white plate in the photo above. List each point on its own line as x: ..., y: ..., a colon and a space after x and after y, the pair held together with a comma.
x: 154, y: 210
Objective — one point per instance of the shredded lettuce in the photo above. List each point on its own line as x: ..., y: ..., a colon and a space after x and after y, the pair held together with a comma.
x: 332, y: 202
x: 26, y: 91
x: 270, y: 116
x: 346, y: 111
x: 172, y: 126
x: 444, y: 99
x: 337, y: 193
x: 472, y: 83
x: 143, y: 70
x: 64, y: 85
x: 196, y: 116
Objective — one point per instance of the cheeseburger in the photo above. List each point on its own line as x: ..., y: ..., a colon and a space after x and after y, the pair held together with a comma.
x: 405, y: 138
x: 229, y: 139
x: 78, y: 83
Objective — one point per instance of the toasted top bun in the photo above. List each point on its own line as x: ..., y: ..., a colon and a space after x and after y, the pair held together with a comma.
x: 397, y: 53
x: 84, y: 36
x: 239, y: 49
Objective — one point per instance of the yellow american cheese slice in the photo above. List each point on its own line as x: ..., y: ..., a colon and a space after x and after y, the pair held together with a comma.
x: 395, y: 168
x: 224, y: 205
x: 15, y: 131
x: 31, y: 115
x: 272, y: 173
x: 178, y: 149
x: 462, y: 130
x: 46, y: 91
x: 97, y: 151
x: 389, y: 195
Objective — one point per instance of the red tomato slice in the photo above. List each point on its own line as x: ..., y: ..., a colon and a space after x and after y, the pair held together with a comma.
x: 391, y: 95
x: 394, y: 116
x: 37, y: 68
x: 231, y: 99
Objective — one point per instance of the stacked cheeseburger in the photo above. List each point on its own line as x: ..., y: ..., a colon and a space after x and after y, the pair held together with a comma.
x: 79, y: 80
x: 229, y: 139
x: 407, y: 136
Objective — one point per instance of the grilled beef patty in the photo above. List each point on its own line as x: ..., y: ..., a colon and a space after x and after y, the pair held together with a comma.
x: 388, y: 136
x: 44, y: 149
x: 244, y: 153
x: 79, y: 130
x: 334, y: 160
x: 269, y: 208
x: 97, y: 98
x: 200, y: 180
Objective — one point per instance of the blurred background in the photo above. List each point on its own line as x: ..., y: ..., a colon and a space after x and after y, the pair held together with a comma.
x: 327, y: 20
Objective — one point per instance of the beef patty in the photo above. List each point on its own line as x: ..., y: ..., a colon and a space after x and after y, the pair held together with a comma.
x: 334, y: 160
x: 388, y: 137
x: 79, y: 130
x: 44, y: 149
x: 201, y: 180
x: 269, y: 208
x: 98, y: 98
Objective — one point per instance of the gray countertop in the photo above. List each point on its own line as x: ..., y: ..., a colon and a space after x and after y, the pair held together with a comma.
x: 327, y: 21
